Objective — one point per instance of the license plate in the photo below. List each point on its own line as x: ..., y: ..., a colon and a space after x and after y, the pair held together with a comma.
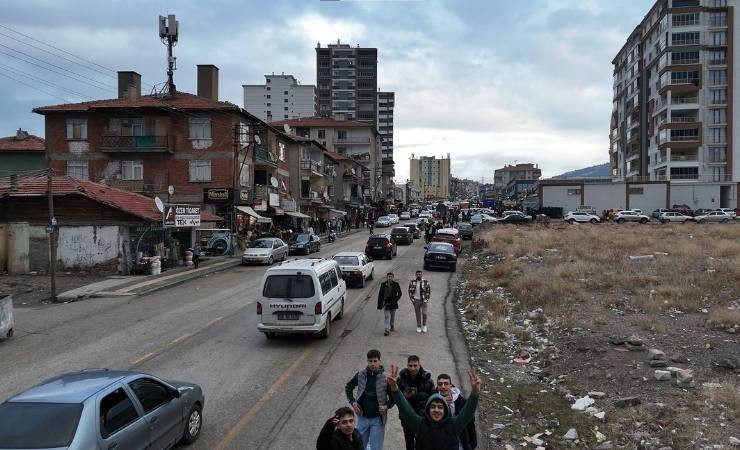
x: 288, y: 316
x: 439, y: 257
x: 377, y: 247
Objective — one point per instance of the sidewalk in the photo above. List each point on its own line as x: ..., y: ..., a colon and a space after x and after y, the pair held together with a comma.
x: 142, y: 285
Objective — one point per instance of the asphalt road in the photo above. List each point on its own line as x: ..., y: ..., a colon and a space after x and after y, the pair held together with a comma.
x: 260, y: 394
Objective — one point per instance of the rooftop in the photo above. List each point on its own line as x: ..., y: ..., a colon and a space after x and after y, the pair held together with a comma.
x: 22, y: 142
x: 73, y: 387
x: 321, y: 122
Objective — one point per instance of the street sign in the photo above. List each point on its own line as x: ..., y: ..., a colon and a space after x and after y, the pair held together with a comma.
x: 181, y: 216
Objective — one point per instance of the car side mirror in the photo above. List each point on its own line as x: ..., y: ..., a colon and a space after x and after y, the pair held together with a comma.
x: 176, y: 393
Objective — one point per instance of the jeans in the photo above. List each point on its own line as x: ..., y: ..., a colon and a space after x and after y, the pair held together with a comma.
x: 372, y: 432
x: 420, y: 309
x: 390, y: 318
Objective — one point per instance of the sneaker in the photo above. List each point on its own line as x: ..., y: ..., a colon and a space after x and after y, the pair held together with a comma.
x: 393, y: 328
x: 424, y: 329
x: 386, y: 333
x: 418, y: 329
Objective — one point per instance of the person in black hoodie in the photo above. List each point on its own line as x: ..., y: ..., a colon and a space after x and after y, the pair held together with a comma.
x: 339, y: 432
x: 436, y: 429
x: 416, y: 385
x: 456, y: 402
x: 388, y: 296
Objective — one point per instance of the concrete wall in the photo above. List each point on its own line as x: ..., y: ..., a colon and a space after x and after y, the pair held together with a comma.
x: 695, y: 195
x: 653, y: 197
x: 604, y: 196
x: 557, y: 196
x: 3, y: 247
x: 17, y: 247
x: 83, y: 247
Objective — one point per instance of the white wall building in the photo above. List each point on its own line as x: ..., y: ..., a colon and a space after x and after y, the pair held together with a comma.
x: 281, y: 97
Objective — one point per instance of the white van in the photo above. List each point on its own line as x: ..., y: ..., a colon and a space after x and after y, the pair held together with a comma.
x: 301, y: 296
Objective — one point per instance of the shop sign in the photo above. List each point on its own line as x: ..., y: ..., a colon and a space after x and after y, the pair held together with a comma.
x: 216, y: 195
x: 259, y: 205
x: 243, y: 195
x: 181, y: 216
x: 274, y: 199
x: 288, y: 205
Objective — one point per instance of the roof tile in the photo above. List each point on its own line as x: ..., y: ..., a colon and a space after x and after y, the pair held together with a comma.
x: 29, y: 144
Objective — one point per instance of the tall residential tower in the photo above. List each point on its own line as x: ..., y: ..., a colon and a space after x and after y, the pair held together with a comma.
x: 431, y: 176
x: 281, y: 97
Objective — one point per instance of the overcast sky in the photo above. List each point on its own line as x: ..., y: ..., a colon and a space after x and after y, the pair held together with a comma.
x: 490, y: 82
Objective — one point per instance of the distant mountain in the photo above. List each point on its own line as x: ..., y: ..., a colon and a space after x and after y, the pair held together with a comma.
x: 602, y: 170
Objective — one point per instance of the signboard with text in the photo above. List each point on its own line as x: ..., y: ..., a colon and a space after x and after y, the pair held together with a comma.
x: 181, y: 216
x: 216, y: 195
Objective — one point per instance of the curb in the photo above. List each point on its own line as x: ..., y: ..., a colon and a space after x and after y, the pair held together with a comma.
x: 187, y: 277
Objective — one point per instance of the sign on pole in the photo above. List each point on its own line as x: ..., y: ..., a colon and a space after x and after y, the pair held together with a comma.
x: 181, y: 216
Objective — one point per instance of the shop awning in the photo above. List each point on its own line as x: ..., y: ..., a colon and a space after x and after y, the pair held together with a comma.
x: 338, y: 212
x: 297, y: 214
x: 249, y: 211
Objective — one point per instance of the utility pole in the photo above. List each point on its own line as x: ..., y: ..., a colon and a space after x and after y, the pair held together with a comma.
x: 51, y: 229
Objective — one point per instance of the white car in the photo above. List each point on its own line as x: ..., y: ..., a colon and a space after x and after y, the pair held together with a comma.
x: 356, y: 267
x: 425, y: 214
x: 265, y: 251
x: 581, y: 217
x: 394, y: 218
x: 729, y: 211
x: 477, y: 219
x: 383, y: 221
x: 301, y: 296
x: 714, y: 216
x: 672, y: 216
x: 630, y: 216
x: 405, y: 216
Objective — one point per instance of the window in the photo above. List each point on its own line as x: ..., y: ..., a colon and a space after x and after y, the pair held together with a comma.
x: 716, y: 154
x: 22, y: 422
x: 684, y: 173
x: 200, y: 128
x: 285, y: 100
x: 200, y: 170
x: 717, y: 77
x: 116, y: 411
x: 689, y: 38
x: 717, y: 135
x: 334, y: 279
x: 132, y: 170
x: 269, y: 104
x: 342, y: 134
x: 243, y: 172
x: 268, y: 95
x: 281, y: 151
x: 718, y: 96
x: 268, y: 88
x: 717, y: 57
x: 718, y: 116
x: 286, y: 93
x: 288, y: 286
x: 718, y: 19
x: 574, y: 192
x: 325, y: 281
x: 285, y: 108
x: 151, y: 394
x: 77, y: 129
x: 682, y: 20
x: 718, y: 38
x: 132, y: 127
x: 78, y: 169
x: 636, y: 191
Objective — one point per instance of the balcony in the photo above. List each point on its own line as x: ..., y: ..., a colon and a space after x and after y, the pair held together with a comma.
x: 145, y: 186
x: 685, y: 42
x: 683, y: 119
x: 312, y: 166
x: 684, y: 100
x: 678, y: 157
x: 134, y: 144
x: 264, y: 158
x: 351, y: 140
x: 717, y: 22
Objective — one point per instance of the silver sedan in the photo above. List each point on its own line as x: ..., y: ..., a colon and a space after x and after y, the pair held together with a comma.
x: 265, y: 251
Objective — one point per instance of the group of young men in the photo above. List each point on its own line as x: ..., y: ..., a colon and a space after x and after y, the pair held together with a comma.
x: 433, y: 417
x: 390, y: 293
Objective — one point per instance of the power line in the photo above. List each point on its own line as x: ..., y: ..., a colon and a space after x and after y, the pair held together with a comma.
x: 59, y: 67
x: 41, y: 80
x: 61, y: 50
x: 34, y: 87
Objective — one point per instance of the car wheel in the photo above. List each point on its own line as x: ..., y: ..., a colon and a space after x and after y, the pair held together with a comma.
x: 594, y: 221
x: 725, y: 220
x: 327, y: 328
x: 454, y: 268
x: 643, y: 220
x: 269, y: 335
x: 193, y: 425
x: 318, y: 248
x: 341, y: 311
x: 620, y: 220
x: 270, y: 261
x: 371, y: 274
x: 362, y: 282
x: 571, y: 221
x: 284, y: 256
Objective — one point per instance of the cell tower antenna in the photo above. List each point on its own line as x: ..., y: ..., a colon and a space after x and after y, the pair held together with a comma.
x: 168, y: 32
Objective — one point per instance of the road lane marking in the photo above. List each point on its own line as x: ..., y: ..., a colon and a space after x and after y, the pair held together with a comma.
x: 272, y: 390
x: 143, y: 358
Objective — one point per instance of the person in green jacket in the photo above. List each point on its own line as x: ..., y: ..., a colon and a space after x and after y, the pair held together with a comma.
x: 436, y: 429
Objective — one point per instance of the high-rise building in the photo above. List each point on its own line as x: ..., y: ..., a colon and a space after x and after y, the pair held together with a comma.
x: 386, y: 101
x: 508, y: 173
x: 347, y: 82
x: 281, y: 97
x: 431, y: 176
x: 672, y: 116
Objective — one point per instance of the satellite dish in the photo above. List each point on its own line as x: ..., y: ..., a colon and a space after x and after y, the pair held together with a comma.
x: 170, y: 189
x: 274, y: 182
x: 160, y: 205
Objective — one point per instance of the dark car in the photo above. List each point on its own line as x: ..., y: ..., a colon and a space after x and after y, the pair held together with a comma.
x: 103, y: 409
x: 515, y: 218
x: 440, y: 254
x: 402, y: 235
x: 466, y: 230
x: 381, y: 246
x: 414, y: 229
x: 304, y: 243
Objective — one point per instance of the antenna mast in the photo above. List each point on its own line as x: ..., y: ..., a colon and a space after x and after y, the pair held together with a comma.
x: 168, y: 29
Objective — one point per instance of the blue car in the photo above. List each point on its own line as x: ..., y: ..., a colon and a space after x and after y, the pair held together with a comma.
x: 102, y: 409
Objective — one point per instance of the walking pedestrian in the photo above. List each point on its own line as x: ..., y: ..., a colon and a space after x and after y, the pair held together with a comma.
x: 419, y: 294
x: 456, y: 402
x: 417, y: 386
x: 436, y: 428
x: 372, y: 402
x: 388, y: 296
x: 339, y: 432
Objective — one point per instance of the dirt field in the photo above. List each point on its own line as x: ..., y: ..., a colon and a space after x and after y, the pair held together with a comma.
x: 553, y: 313
x: 33, y: 290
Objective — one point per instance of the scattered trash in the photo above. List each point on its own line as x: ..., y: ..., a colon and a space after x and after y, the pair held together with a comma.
x: 522, y: 360
x: 582, y: 403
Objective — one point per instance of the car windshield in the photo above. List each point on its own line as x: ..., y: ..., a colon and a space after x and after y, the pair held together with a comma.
x: 399, y: 231
x: 38, y: 425
x: 464, y: 226
x: 288, y: 286
x: 377, y: 241
x: 347, y: 260
x: 383, y: 218
x: 440, y: 248
x: 261, y: 243
x: 300, y: 238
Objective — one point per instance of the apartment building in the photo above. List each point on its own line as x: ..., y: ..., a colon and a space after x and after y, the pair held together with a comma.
x: 431, y: 176
x: 281, y: 97
x: 672, y: 115
x: 347, y: 82
x: 503, y: 176
x: 386, y: 102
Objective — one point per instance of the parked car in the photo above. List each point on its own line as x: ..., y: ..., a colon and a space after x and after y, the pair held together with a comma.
x: 466, y: 230
x: 729, y: 211
x: 516, y: 217
x: 304, y: 243
x: 301, y: 296
x: 356, y: 267
x: 383, y: 222
x: 440, y: 254
x: 421, y: 221
x: 405, y: 215
x: 394, y: 218
x: 103, y: 409
x: 481, y: 218
x: 657, y: 212
x: 672, y: 216
x: 450, y: 236
x: 381, y: 246
x: 415, y: 231
x: 402, y: 235
x: 581, y: 217
x: 265, y: 251
x: 714, y: 216
x: 630, y: 216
